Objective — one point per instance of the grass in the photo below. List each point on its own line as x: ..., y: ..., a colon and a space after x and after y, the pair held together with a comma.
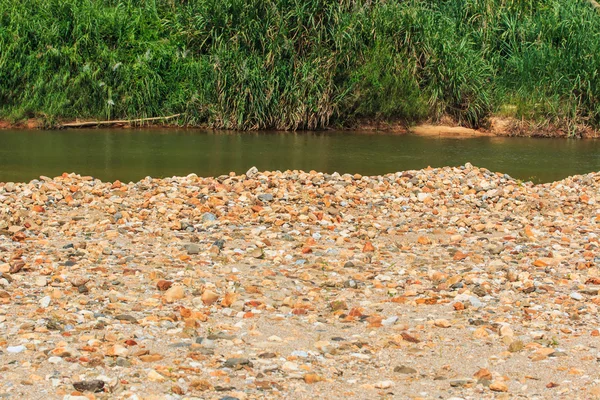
x: 300, y: 64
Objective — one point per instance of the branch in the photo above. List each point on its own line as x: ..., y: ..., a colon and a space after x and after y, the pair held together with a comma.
x: 116, y: 122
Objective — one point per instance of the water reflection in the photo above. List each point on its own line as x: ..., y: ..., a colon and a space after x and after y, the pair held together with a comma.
x: 133, y: 154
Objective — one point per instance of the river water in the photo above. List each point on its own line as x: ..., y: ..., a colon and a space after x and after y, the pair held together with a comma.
x: 130, y: 155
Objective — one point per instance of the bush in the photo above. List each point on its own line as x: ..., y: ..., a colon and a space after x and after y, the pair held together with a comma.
x: 292, y: 64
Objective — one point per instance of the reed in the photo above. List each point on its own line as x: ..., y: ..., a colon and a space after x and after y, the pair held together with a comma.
x: 300, y: 64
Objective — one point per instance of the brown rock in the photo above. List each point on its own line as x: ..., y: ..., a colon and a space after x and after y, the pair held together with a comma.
x: 163, y: 285
x: 368, y: 247
x: 312, y: 378
x: 499, y: 387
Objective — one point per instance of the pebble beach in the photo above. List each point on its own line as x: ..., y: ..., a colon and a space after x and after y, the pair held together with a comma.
x: 442, y: 283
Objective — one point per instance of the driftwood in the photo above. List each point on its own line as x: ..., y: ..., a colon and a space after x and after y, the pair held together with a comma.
x: 116, y: 122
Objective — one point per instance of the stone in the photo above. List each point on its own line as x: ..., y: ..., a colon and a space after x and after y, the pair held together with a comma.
x: 402, y: 369
x: 41, y: 281
x: 265, y: 197
x: 464, y: 382
x: 209, y: 297
x: 442, y: 323
x: 15, y: 349
x: 208, y: 217
x: 251, y: 173
x: 576, y: 296
x: 174, y: 293
x: 45, y: 301
x: 94, y: 386
x: 163, y: 285
x: 236, y: 363
x: 384, y: 384
x: 499, y: 387
x: 516, y: 346
x: 192, y: 248
x: 154, y: 376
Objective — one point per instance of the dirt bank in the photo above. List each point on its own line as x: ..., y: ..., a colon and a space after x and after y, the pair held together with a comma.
x: 497, y: 126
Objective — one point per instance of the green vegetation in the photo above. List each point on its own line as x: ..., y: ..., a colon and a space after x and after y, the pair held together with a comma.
x: 300, y: 64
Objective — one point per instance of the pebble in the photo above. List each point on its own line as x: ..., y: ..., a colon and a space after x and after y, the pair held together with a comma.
x: 186, y: 286
x: 576, y: 296
x: 41, y: 281
x: 45, y: 301
x: 174, y: 293
x: 384, y: 384
x: 93, y: 386
x: 15, y: 349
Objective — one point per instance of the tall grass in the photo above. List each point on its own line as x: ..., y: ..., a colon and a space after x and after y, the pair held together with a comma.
x: 300, y: 64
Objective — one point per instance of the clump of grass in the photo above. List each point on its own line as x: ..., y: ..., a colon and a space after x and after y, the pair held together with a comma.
x: 291, y: 64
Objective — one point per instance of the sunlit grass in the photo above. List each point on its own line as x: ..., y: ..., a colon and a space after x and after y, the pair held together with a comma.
x: 300, y: 64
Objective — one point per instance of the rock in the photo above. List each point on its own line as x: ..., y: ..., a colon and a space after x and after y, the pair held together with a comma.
x: 423, y: 196
x: 401, y: 369
x: 236, y: 363
x: 338, y: 305
x: 368, y: 247
x: 442, y: 323
x: 41, y: 281
x: 506, y: 331
x: 208, y: 217
x: 483, y: 374
x: 192, y: 248
x: 266, y: 197
x: 126, y: 317
x: 251, y: 173
x: 15, y: 349
x: 209, y: 297
x: 389, y: 321
x: 499, y: 387
x: 289, y: 366
x: 174, y: 293
x: 94, y: 386
x: 45, y: 301
x: 163, y: 285
x: 465, y: 382
x: 576, y: 296
x: 516, y: 346
x: 154, y: 376
x: 79, y: 281
x: 384, y: 384
x: 312, y: 378
x: 117, y: 351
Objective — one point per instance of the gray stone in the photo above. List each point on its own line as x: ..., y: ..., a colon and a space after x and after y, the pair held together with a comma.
x: 192, y: 248
x: 208, y: 217
x: 265, y: 197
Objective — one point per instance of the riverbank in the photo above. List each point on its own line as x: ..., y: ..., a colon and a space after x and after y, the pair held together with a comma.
x: 453, y: 282
x: 279, y: 65
x: 502, y: 127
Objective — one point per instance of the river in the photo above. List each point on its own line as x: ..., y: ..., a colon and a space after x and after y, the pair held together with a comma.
x: 132, y: 154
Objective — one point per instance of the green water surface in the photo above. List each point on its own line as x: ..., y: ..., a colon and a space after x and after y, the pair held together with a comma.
x: 130, y: 155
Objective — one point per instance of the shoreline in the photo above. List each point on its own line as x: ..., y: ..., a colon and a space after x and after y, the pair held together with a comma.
x: 453, y: 282
x: 498, y: 127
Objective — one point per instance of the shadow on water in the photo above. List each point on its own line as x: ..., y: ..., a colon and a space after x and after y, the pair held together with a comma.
x: 130, y: 155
